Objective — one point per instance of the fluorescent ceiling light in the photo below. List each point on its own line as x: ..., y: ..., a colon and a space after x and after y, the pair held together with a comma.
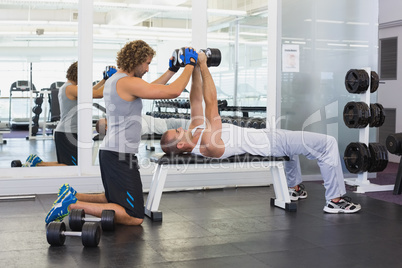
x: 359, y: 45
x: 358, y: 23
x: 330, y: 21
x: 298, y: 42
x: 253, y: 34
x: 337, y: 45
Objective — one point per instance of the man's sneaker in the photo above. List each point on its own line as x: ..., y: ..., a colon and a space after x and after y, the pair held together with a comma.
x: 296, y: 195
x: 32, y: 161
x: 59, y: 209
x: 344, y: 205
x: 64, y: 189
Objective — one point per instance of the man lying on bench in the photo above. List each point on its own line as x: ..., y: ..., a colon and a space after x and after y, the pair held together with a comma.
x: 207, y: 136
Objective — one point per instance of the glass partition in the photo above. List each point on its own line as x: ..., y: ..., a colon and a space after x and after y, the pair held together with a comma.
x: 325, y: 39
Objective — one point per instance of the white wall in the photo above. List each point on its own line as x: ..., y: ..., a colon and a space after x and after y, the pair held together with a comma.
x: 390, y: 10
x: 390, y: 93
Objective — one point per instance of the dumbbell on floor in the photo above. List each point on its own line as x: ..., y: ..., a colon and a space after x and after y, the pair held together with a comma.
x: 77, y: 219
x: 56, y: 234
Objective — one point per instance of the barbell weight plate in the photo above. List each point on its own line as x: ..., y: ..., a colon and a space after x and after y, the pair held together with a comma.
x: 365, y: 114
x: 356, y: 114
x: 382, y: 115
x: 54, y: 233
x: 384, y: 158
x: 374, y: 115
x: 375, y: 82
x: 356, y: 157
x: 107, y: 220
x: 375, y: 157
x: 76, y: 219
x: 356, y: 81
x: 91, y: 234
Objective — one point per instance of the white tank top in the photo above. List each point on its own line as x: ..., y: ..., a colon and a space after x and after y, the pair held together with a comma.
x: 239, y: 140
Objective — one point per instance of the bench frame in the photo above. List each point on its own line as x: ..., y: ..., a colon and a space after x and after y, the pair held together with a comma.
x: 164, y: 162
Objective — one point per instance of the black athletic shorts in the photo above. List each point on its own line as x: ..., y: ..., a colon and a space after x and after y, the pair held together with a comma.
x: 122, y: 181
x: 66, y: 148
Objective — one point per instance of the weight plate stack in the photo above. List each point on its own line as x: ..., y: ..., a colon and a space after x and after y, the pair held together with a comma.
x: 378, y: 157
x: 357, y: 157
x: 375, y: 82
x: 382, y: 115
x: 357, y: 81
x: 377, y: 117
x: 356, y: 114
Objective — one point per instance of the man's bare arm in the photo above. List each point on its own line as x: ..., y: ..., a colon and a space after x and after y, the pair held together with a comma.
x: 212, y: 144
x: 197, y: 113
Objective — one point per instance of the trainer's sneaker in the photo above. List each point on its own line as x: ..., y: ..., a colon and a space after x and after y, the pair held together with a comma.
x: 344, y: 205
x: 32, y: 161
x: 296, y: 195
x: 59, y: 209
x: 64, y: 189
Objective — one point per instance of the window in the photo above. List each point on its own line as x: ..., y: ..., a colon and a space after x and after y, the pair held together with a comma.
x: 388, y: 58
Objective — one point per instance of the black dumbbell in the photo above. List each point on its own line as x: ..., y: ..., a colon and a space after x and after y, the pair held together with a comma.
x: 90, y: 235
x: 39, y: 100
x: 16, y: 163
x: 256, y: 123
x: 37, y: 109
x: 213, y: 56
x: 77, y: 219
x: 175, y: 56
x: 394, y: 143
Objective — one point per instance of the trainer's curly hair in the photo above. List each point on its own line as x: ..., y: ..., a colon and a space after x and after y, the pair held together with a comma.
x: 72, y: 72
x: 133, y: 54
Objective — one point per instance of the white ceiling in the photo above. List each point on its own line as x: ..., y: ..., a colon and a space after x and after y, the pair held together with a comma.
x: 120, y: 19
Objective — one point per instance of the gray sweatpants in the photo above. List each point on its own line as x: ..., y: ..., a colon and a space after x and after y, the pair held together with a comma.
x: 322, y: 147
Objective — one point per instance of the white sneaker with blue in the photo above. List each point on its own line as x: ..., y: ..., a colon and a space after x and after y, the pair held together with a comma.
x: 32, y: 161
x: 59, y: 209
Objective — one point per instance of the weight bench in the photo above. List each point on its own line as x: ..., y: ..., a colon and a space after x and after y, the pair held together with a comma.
x: 164, y: 161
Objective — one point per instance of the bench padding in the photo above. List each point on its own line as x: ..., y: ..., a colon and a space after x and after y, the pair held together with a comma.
x: 174, y: 159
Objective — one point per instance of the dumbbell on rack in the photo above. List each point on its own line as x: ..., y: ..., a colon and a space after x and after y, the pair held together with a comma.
x: 56, y: 234
x: 77, y: 219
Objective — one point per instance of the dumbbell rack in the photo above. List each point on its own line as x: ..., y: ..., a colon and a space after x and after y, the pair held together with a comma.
x: 362, y: 182
x: 45, y: 93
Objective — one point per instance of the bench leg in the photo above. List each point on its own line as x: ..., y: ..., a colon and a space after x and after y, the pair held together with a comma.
x: 282, y: 199
x: 155, y: 193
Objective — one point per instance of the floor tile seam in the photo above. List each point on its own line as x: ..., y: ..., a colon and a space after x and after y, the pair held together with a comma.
x: 228, y: 255
x: 243, y: 253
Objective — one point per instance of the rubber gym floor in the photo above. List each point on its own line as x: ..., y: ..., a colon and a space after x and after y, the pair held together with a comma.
x: 231, y: 227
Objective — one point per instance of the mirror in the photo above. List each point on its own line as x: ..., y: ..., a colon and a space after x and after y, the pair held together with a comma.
x: 38, y: 44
